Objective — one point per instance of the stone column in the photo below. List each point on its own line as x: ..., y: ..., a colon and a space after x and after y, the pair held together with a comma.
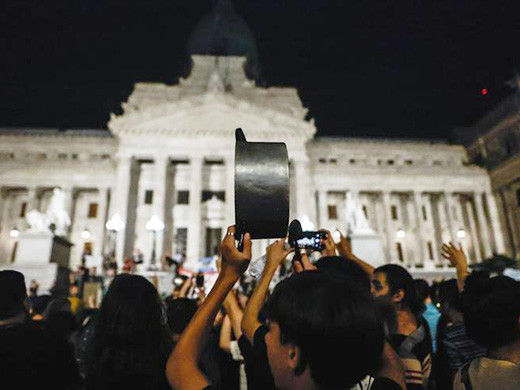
x: 323, y: 210
x: 482, y: 223
x: 419, y: 227
x: 391, y: 251
x: 302, y: 200
x: 160, y: 204
x: 119, y: 204
x: 495, y: 222
x: 229, y: 218
x: 69, y: 206
x: 33, y: 201
x: 474, y: 234
x: 448, y: 203
x: 101, y: 219
x: 194, y: 225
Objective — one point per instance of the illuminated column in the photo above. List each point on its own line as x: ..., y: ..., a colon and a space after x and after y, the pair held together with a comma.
x: 474, y: 233
x: 390, y: 242
x: 100, y: 220
x: 161, y: 164
x: 419, y: 226
x: 495, y: 224
x: 120, y: 204
x: 194, y: 225
x: 302, y: 188
x: 448, y: 203
x: 482, y: 223
x: 322, y: 206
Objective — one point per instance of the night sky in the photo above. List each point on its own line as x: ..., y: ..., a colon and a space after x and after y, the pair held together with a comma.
x: 409, y: 69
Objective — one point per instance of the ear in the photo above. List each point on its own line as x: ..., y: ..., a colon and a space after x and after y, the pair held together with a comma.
x: 293, y: 356
x: 398, y: 296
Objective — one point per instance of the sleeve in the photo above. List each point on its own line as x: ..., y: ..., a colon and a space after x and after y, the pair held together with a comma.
x: 455, y: 359
x: 235, y: 351
x: 383, y: 383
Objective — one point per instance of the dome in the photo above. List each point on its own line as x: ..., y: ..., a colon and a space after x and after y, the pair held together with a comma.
x: 222, y: 32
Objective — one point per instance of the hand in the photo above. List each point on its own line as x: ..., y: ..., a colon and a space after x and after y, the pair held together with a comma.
x: 303, y: 265
x: 276, y: 253
x: 344, y: 247
x: 234, y: 262
x: 330, y: 246
x: 456, y: 256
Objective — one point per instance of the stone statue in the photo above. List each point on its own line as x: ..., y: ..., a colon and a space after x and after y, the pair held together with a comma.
x: 55, y: 219
x: 356, y: 220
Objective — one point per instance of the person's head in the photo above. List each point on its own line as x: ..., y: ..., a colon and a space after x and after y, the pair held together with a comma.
x: 12, y: 294
x: 179, y: 313
x: 316, y: 325
x: 393, y: 284
x: 448, y: 297
x: 422, y: 289
x: 492, y: 310
x: 344, y: 271
x: 131, y: 333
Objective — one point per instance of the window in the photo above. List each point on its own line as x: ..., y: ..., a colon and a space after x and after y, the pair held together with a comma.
x: 390, y: 162
x: 400, y: 252
x: 23, y: 209
x: 62, y: 156
x: 352, y: 161
x: 333, y: 212
x: 408, y: 162
x: 92, y: 210
x: 213, y: 238
x: 430, y: 250
x: 424, y: 215
x: 181, y: 238
x: 207, y: 195
x: 148, y: 197
x: 365, y: 211
x: 183, y: 197
x: 322, y: 161
x: 518, y: 197
x: 333, y: 160
x: 393, y: 211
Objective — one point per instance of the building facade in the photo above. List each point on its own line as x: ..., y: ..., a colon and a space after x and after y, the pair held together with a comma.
x: 494, y: 143
x: 171, y: 154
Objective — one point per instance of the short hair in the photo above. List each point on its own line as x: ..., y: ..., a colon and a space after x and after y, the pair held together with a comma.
x: 344, y: 271
x: 325, y: 319
x: 398, y: 278
x: 422, y: 289
x: 492, y: 310
x: 179, y: 313
x: 448, y: 294
x: 12, y: 293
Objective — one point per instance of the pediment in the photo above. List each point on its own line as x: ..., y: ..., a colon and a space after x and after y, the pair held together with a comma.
x: 216, y: 114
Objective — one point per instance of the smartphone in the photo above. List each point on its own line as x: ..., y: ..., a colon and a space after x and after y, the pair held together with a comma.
x: 312, y: 240
x: 199, y: 280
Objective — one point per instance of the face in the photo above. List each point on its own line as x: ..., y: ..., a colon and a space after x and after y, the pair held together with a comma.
x: 379, y: 285
x: 278, y: 356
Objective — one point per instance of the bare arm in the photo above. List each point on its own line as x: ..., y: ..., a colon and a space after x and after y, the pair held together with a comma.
x: 458, y: 259
x: 224, y: 341
x: 345, y: 251
x: 234, y: 313
x: 181, y: 369
x: 276, y: 254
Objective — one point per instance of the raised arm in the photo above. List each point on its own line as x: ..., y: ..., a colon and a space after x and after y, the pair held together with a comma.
x: 458, y: 259
x: 276, y: 253
x: 181, y: 369
x: 345, y: 251
x: 235, y: 313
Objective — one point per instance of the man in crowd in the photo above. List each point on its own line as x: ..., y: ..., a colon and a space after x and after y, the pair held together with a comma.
x: 29, y: 357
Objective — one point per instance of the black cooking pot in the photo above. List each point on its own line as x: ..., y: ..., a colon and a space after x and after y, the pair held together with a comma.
x: 261, y: 188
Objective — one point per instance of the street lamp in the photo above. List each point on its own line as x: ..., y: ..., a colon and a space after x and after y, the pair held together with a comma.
x: 114, y: 225
x: 400, y: 234
x: 85, y: 234
x: 461, y: 233
x: 14, y: 233
x: 154, y: 225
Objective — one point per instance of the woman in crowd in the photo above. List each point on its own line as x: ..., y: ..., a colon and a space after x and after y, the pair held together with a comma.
x: 131, y: 340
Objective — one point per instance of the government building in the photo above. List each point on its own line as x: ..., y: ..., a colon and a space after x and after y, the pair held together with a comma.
x: 170, y: 154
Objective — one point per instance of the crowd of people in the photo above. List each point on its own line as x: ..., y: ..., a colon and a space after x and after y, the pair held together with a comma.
x: 335, y: 323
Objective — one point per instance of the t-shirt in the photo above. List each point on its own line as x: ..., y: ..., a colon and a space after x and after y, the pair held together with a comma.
x: 31, y: 358
x: 485, y: 373
x: 415, y: 353
x: 459, y: 348
x: 432, y: 315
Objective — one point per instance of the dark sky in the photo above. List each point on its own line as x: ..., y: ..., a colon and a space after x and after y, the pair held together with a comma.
x: 363, y: 68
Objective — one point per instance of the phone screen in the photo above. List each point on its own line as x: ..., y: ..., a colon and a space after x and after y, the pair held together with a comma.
x: 312, y: 240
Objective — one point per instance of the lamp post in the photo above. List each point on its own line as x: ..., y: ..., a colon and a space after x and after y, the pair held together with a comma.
x: 114, y: 225
x: 154, y: 225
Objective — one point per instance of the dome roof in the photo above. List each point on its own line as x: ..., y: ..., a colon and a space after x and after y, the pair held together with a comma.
x: 222, y: 32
